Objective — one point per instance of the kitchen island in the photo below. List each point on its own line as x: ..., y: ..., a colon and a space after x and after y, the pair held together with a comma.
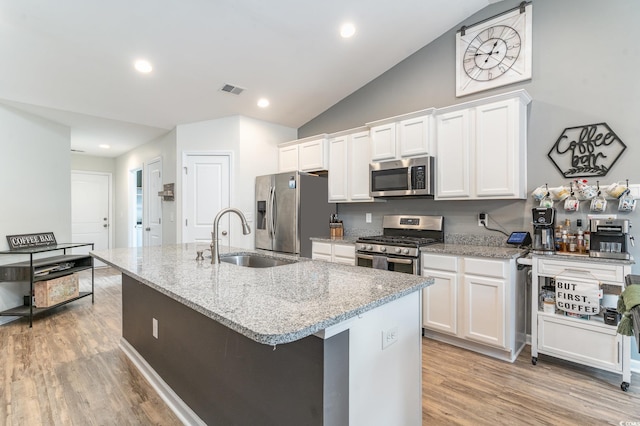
x: 308, y: 343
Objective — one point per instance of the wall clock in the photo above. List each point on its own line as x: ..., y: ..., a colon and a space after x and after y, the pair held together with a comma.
x: 494, y: 52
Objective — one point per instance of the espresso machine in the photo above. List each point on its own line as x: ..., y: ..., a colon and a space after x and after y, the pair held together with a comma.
x: 544, y: 219
x: 610, y: 238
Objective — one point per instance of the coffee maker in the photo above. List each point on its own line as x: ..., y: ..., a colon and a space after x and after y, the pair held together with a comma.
x: 610, y: 238
x: 544, y: 219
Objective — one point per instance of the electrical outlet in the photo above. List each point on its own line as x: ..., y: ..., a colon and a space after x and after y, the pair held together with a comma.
x: 483, y: 217
x: 154, y: 327
x: 389, y: 336
x: 367, y: 217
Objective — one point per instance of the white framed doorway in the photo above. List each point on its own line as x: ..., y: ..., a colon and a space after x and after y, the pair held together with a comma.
x: 136, y: 208
x: 206, y: 184
x: 152, y: 203
x: 91, y: 210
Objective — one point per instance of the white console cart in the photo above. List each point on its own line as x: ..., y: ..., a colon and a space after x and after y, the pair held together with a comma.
x: 585, y: 341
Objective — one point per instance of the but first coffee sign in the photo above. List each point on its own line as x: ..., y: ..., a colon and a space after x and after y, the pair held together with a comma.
x: 31, y: 240
x: 578, y: 296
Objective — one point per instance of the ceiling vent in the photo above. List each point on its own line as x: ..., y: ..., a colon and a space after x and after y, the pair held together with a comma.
x: 230, y: 88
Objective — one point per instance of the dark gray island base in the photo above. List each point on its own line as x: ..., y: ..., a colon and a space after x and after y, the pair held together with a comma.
x: 305, y: 343
x: 228, y: 379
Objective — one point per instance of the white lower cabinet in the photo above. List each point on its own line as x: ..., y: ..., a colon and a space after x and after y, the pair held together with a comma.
x: 474, y: 303
x: 588, y: 340
x: 344, y: 253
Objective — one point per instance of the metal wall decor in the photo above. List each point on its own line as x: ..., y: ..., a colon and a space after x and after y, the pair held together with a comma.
x: 589, y: 150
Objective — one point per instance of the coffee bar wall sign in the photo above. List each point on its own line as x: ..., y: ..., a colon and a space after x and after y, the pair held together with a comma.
x: 589, y: 150
x: 31, y: 240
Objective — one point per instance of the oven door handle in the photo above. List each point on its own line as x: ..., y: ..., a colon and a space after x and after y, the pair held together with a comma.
x: 389, y: 259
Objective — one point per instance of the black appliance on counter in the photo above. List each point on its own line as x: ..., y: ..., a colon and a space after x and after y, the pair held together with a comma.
x: 610, y: 238
x: 398, y: 248
x: 544, y: 220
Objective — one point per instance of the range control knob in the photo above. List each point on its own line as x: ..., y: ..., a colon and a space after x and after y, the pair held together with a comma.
x: 397, y: 250
x: 369, y: 247
x: 405, y: 251
x: 383, y: 249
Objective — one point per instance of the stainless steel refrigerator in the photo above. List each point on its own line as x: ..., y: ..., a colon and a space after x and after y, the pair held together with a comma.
x: 291, y: 208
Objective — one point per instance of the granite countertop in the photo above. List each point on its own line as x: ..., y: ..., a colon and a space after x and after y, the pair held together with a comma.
x: 499, y: 252
x: 339, y: 240
x: 268, y: 305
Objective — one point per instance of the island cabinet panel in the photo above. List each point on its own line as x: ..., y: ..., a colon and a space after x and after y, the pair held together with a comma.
x: 227, y: 378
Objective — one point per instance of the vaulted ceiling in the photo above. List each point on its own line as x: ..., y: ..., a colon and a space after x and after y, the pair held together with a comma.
x: 71, y: 61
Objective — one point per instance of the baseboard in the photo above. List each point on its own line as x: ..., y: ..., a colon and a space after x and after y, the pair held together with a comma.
x: 497, y: 353
x: 7, y: 320
x: 177, y: 405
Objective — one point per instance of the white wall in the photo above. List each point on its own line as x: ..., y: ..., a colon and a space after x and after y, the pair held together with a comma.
x: 36, y: 186
x: 163, y: 147
x: 252, y: 145
x: 89, y: 163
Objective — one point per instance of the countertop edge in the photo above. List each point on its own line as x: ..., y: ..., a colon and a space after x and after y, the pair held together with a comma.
x: 269, y: 339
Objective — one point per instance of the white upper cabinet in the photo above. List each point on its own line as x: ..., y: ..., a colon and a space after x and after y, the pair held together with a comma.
x: 349, y: 154
x: 383, y: 142
x: 415, y: 136
x: 481, y: 148
x: 307, y: 155
x: 288, y: 158
x: 408, y: 135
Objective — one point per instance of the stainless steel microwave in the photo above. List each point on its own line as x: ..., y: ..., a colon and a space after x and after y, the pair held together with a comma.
x: 412, y: 177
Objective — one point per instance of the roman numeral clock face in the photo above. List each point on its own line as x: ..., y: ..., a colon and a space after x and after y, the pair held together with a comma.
x: 494, y: 53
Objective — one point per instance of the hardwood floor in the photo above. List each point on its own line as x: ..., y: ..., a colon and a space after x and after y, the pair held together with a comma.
x: 68, y: 369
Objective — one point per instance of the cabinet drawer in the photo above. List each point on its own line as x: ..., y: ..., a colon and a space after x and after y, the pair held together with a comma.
x: 344, y: 250
x: 321, y: 248
x: 486, y: 268
x: 601, y: 271
x: 443, y: 263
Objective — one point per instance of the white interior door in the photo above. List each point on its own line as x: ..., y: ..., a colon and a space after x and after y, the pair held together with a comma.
x: 90, y: 211
x: 206, y: 188
x: 153, y: 205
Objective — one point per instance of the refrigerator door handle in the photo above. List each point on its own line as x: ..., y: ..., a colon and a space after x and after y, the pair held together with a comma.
x: 274, y: 213
x: 271, y: 212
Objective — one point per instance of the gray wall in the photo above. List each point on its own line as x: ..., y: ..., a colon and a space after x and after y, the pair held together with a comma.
x: 584, y: 66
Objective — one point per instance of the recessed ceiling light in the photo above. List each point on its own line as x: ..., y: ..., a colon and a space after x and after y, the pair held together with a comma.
x: 104, y: 146
x: 263, y: 102
x: 143, y: 66
x: 347, y: 30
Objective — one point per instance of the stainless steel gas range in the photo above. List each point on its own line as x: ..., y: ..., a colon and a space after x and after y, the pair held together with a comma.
x: 398, y: 248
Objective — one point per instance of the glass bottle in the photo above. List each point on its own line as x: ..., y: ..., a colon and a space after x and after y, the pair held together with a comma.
x: 580, y: 237
x: 558, y: 236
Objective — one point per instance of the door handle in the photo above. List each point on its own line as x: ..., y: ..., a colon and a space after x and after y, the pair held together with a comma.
x: 147, y: 229
x: 106, y: 225
x: 224, y: 233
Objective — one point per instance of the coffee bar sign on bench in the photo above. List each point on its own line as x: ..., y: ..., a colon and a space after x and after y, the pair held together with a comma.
x: 31, y: 240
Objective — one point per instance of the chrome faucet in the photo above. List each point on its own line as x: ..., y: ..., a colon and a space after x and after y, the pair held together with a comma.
x: 215, y: 253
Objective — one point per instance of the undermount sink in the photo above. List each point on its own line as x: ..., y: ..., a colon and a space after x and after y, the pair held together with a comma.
x: 254, y: 260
